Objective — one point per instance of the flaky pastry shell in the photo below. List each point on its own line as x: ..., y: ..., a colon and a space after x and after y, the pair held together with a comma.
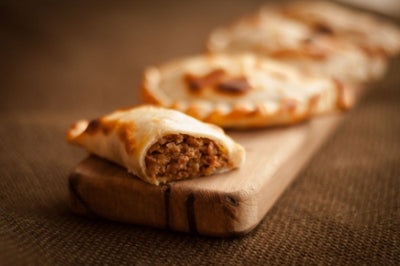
x: 127, y: 137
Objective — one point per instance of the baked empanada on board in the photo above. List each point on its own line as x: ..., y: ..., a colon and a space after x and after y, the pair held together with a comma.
x: 369, y: 32
x: 242, y: 90
x: 314, y: 49
x: 157, y: 144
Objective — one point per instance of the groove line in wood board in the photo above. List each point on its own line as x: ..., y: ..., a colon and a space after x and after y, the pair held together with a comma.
x: 189, y: 203
x: 73, y: 183
x: 167, y: 194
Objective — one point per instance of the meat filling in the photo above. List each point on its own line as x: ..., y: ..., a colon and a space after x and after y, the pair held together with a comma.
x: 180, y: 156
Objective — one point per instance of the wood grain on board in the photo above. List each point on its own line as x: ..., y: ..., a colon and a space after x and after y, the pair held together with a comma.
x: 220, y: 205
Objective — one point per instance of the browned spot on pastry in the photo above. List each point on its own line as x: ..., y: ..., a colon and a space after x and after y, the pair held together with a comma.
x: 179, y: 156
x: 279, y: 75
x: 148, y: 97
x: 342, y: 102
x: 218, y: 80
x: 308, y: 40
x: 71, y: 135
x: 289, y: 105
x: 372, y: 51
x: 126, y: 133
x: 197, y: 83
x: 312, y: 104
x: 93, y: 126
x: 175, y: 105
x: 239, y: 112
x: 99, y: 124
x: 320, y: 28
x: 108, y: 126
x: 215, y: 117
x: 124, y: 109
x: 313, y: 101
x: 193, y: 111
x: 308, y: 50
x: 260, y: 117
x: 233, y: 86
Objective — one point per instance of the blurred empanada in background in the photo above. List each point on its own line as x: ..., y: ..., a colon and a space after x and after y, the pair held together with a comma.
x: 317, y: 37
x: 369, y: 32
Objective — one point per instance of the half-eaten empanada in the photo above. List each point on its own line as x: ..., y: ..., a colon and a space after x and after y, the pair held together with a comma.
x: 242, y: 90
x: 158, y: 145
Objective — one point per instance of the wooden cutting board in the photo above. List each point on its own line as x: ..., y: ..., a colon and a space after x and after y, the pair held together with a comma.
x: 220, y: 205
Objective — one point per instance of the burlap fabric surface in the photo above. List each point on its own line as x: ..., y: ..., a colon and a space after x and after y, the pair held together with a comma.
x: 65, y: 61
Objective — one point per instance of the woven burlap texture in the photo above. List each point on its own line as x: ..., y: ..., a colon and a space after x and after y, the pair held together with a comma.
x: 62, y: 63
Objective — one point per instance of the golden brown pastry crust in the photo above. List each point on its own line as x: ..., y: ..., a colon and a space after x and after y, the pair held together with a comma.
x: 126, y: 135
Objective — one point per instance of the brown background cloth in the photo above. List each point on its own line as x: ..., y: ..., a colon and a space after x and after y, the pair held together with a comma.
x: 65, y: 60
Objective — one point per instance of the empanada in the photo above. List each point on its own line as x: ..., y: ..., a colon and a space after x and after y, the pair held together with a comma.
x: 371, y: 33
x: 158, y: 145
x: 272, y: 33
x: 242, y: 90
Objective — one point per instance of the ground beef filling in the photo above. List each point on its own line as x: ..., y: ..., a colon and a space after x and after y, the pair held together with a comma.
x: 180, y: 156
